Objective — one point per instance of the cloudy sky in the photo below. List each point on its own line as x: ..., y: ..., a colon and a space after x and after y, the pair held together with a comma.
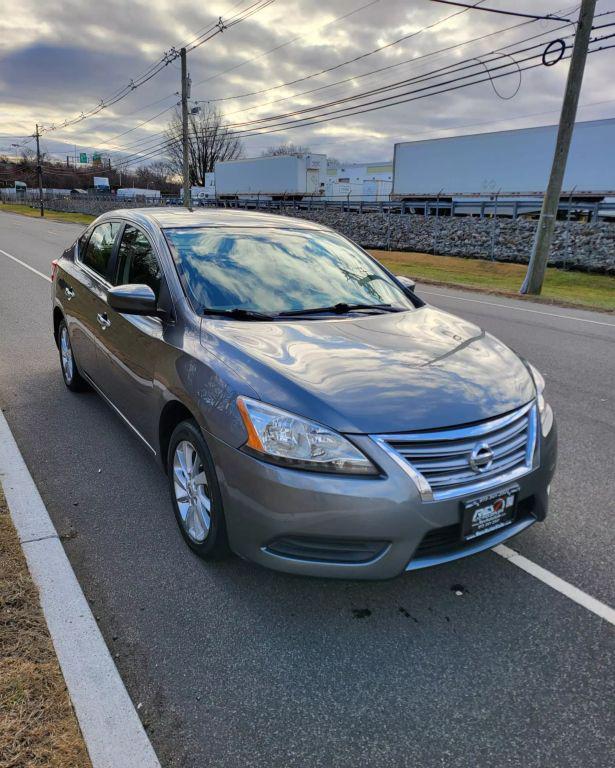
x: 59, y: 58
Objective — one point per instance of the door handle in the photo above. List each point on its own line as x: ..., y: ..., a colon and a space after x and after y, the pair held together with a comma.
x: 103, y: 321
x: 68, y: 292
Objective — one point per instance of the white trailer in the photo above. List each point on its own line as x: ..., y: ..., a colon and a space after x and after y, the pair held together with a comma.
x: 291, y: 176
x: 130, y: 193
x: 516, y: 162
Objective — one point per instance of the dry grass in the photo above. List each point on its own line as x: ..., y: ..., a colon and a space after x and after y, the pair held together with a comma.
x: 38, y: 728
x: 576, y: 289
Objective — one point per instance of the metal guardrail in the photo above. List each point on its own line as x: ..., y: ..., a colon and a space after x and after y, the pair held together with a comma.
x: 588, y: 210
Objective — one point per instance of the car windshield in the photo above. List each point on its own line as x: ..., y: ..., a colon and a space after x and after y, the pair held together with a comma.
x: 277, y: 270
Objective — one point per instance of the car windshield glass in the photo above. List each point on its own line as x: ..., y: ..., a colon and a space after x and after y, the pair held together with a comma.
x: 276, y: 270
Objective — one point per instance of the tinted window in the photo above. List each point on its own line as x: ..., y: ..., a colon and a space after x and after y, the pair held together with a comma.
x: 270, y: 270
x: 100, y: 247
x: 137, y: 262
x: 82, y: 244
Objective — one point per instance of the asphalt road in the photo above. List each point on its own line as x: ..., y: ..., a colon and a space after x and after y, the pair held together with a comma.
x: 237, y: 666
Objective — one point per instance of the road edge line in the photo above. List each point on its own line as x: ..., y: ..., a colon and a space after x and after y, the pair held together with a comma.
x: 514, y: 306
x: 27, y: 266
x: 111, y: 728
x: 575, y: 594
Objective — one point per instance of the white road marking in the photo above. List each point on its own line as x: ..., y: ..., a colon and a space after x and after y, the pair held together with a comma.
x: 114, y: 735
x: 27, y: 266
x: 517, y: 309
x: 573, y: 593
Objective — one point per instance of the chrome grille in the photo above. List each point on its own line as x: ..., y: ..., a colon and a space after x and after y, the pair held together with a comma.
x: 439, y: 461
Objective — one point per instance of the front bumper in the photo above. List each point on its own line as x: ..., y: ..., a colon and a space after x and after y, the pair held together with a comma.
x: 265, y: 505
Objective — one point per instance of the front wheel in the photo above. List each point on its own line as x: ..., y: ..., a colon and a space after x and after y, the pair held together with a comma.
x: 72, y: 378
x: 195, y: 493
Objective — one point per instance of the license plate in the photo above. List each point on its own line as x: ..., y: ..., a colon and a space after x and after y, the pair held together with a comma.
x: 488, y: 513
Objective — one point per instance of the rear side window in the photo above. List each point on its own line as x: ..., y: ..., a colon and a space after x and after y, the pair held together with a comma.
x: 100, y: 247
x: 137, y: 260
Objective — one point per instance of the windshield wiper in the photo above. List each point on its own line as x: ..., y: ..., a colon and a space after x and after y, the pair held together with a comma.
x: 237, y: 313
x: 339, y: 309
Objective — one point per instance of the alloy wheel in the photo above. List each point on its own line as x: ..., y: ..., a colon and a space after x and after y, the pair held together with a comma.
x: 191, y: 491
x: 66, y: 355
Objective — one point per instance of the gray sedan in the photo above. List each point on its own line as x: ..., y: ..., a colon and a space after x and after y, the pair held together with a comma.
x: 311, y: 412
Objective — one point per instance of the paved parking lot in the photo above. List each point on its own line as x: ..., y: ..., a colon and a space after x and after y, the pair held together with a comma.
x: 472, y: 663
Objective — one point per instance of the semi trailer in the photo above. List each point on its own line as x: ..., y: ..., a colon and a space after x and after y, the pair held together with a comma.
x: 505, y: 163
x: 273, y: 178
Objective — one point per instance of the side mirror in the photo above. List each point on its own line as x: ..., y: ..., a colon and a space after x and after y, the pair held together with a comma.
x: 132, y: 299
x: 407, y: 282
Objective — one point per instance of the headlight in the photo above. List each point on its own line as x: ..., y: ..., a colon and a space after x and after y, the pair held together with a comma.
x: 283, y: 438
x: 544, y: 409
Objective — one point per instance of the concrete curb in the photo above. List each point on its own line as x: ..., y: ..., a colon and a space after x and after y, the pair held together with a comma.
x: 113, y: 732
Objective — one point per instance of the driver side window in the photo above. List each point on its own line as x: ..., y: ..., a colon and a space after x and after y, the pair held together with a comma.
x: 137, y: 261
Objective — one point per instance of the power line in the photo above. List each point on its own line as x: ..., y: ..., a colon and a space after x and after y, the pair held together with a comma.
x: 288, y: 42
x: 357, y: 109
x: 350, y: 13
x: 167, y: 58
x: 369, y: 53
x: 458, y: 66
x: 348, y: 61
x: 298, y: 123
x: 393, y: 66
x: 549, y: 17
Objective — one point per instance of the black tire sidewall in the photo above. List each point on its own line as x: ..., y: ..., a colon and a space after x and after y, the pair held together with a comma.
x: 215, y: 546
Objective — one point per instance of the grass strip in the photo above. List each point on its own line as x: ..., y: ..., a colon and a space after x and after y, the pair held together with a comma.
x: 34, y: 212
x: 568, y: 288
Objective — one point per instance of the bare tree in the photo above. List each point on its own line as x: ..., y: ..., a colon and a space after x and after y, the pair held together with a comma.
x: 210, y: 141
x: 155, y: 174
x: 285, y: 149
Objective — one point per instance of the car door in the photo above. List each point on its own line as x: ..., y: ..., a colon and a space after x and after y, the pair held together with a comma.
x: 129, y: 344
x: 83, y: 288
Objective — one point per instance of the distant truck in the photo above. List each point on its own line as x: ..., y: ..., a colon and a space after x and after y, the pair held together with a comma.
x: 131, y: 193
x: 273, y: 178
x: 516, y: 162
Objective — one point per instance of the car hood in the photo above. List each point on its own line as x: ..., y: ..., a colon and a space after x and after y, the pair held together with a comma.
x: 421, y: 369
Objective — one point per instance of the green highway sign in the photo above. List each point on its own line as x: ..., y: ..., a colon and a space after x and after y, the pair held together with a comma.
x: 83, y: 158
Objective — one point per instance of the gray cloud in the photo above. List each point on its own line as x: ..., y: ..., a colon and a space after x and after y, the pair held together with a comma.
x: 58, y: 58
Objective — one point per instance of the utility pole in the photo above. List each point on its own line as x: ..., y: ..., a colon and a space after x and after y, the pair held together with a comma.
x: 548, y: 214
x: 185, y: 97
x: 39, y: 171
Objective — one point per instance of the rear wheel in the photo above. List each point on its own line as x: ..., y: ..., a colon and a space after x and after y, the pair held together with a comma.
x: 195, y: 493
x: 72, y: 378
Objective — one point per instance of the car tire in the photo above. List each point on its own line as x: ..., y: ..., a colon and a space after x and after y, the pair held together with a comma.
x: 195, y: 493
x: 68, y: 365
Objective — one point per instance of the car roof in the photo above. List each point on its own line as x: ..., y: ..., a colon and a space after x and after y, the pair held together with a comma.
x: 170, y: 217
